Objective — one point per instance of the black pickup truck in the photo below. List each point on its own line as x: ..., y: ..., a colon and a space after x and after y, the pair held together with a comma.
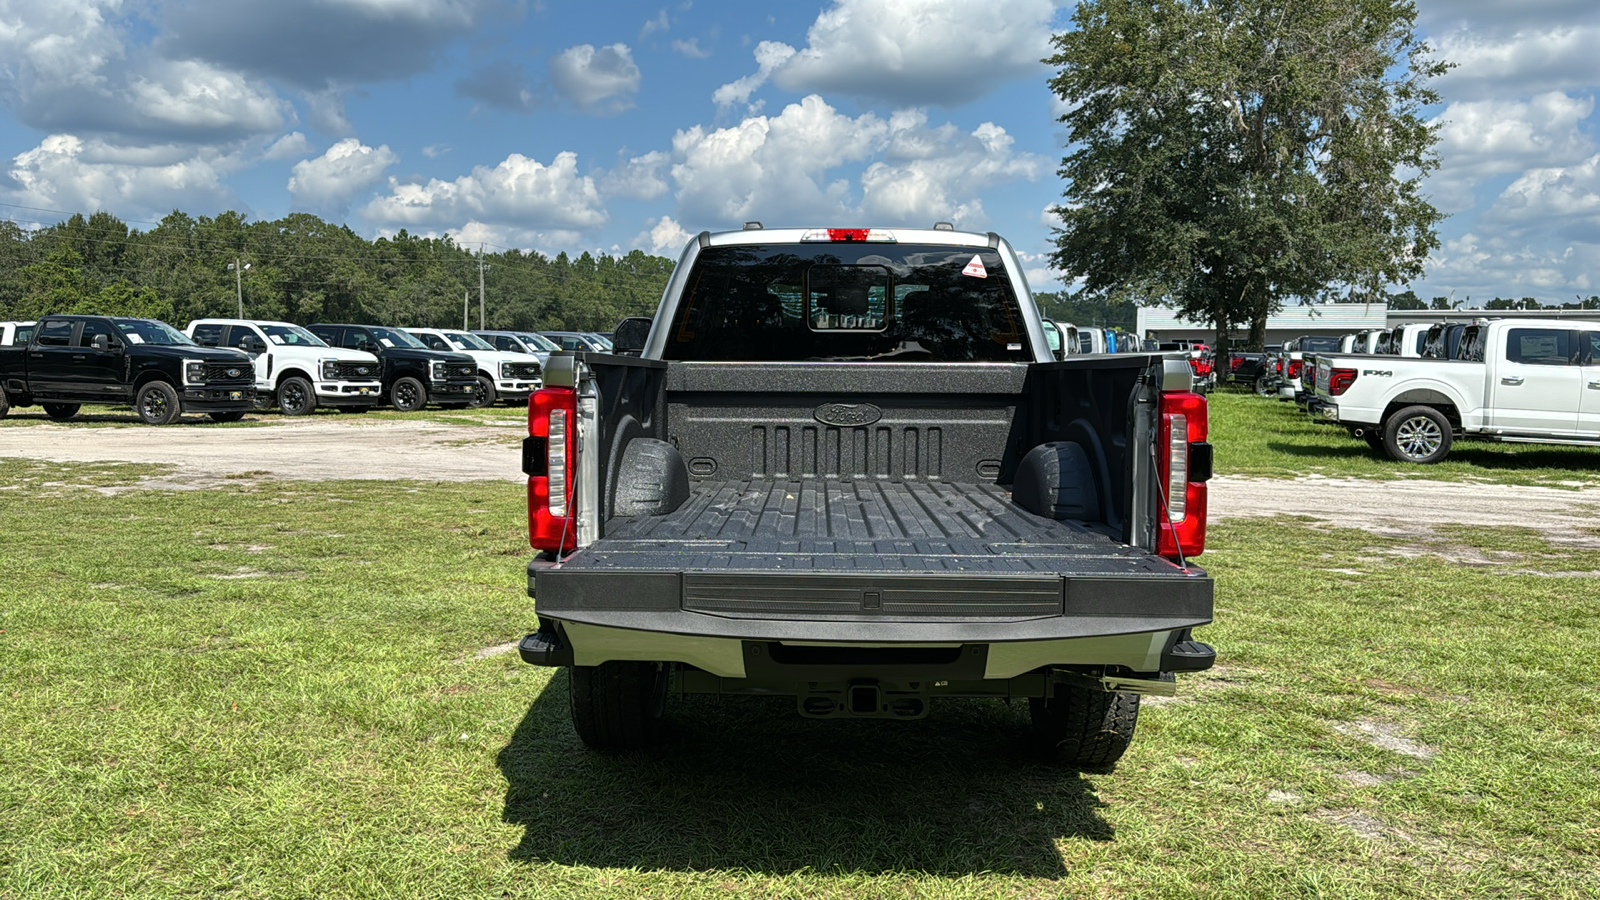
x: 844, y: 467
x: 412, y: 374
x: 72, y: 360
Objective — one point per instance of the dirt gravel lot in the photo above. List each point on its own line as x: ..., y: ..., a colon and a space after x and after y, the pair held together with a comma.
x: 322, y: 449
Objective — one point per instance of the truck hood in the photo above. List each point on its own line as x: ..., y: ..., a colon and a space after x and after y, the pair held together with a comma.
x: 207, y: 354
x: 409, y: 353
x: 495, y: 357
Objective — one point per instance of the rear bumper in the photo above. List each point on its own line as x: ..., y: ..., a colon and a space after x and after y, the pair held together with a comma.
x: 710, y: 619
x: 559, y: 643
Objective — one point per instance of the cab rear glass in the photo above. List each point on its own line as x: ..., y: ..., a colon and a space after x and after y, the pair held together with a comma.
x: 848, y: 302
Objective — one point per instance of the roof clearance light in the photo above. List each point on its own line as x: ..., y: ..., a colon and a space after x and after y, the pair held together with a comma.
x: 849, y: 235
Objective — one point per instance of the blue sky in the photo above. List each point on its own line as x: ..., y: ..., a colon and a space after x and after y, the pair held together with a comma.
x: 605, y: 127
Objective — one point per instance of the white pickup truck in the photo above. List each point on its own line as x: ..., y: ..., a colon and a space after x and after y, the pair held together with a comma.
x: 1538, y: 382
x: 296, y: 370
x: 502, y: 375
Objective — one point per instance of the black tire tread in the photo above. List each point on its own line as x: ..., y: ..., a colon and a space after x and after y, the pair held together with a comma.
x: 617, y: 705
x: 1086, y: 727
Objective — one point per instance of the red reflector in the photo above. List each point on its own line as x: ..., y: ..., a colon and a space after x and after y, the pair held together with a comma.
x: 847, y: 234
x: 1339, y: 380
x: 545, y: 530
x: 1187, y: 536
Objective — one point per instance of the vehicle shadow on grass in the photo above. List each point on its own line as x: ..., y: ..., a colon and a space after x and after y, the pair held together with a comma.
x: 745, y: 783
x: 1486, y: 455
x: 36, y: 416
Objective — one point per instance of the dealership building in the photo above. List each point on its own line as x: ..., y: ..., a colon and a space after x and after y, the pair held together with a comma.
x: 1164, y: 324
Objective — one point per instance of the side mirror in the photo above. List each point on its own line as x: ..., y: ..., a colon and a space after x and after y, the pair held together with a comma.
x: 630, y: 335
x: 100, y: 342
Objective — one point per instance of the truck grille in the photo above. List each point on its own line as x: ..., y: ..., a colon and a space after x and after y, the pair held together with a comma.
x: 359, y: 370
x: 460, y: 370
x: 221, y: 373
x: 525, y: 370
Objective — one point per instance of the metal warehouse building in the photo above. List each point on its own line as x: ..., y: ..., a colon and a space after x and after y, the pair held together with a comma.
x: 1291, y: 322
x: 1333, y: 319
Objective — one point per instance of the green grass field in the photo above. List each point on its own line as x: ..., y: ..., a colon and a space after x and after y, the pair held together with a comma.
x: 283, y: 690
x: 1268, y: 438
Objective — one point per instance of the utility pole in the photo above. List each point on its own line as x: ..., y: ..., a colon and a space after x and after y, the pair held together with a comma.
x: 238, y: 266
x: 464, y: 297
x: 481, y: 267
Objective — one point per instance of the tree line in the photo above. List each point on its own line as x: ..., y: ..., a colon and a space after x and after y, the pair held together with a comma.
x: 302, y: 269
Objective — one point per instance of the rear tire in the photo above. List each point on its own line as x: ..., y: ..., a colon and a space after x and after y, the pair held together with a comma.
x: 61, y: 411
x: 296, y: 397
x: 484, y: 395
x: 5, y: 403
x: 231, y: 416
x: 1087, y: 728
x: 408, y: 395
x: 157, y: 404
x: 1265, y: 388
x: 618, y: 705
x: 1417, y: 434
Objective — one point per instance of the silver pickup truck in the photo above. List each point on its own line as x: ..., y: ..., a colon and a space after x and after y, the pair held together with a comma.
x: 841, y: 465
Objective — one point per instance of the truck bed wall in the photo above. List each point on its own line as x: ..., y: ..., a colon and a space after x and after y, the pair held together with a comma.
x: 961, y: 423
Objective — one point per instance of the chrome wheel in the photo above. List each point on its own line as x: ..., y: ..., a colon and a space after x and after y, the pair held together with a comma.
x: 1419, y: 437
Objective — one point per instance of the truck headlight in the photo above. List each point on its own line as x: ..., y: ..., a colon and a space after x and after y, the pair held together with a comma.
x: 439, y: 372
x: 507, y: 370
x: 194, y: 371
x: 330, y: 369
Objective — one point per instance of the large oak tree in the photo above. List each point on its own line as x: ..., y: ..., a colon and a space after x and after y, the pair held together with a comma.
x: 1225, y: 156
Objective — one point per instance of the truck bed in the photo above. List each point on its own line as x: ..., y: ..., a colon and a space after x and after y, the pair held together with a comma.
x: 896, y: 558
x: 762, y: 525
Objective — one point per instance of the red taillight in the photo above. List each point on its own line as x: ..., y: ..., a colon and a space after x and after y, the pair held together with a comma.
x: 1234, y: 362
x: 1339, y: 380
x: 1294, y: 369
x: 1184, y: 458
x: 552, y: 415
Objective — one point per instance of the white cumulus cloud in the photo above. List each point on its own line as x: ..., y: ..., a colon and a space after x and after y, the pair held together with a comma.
x: 67, y: 172
x: 939, y: 174
x: 1521, y: 63
x: 328, y: 183
x: 908, y: 52
x: 664, y: 237
x: 641, y: 178
x: 791, y: 168
x: 1482, y: 139
x: 594, y: 80
x: 520, y: 194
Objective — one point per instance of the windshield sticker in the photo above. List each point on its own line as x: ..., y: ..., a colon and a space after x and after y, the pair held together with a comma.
x: 975, y: 268
x: 386, y: 342
x: 277, y: 339
x: 134, y: 338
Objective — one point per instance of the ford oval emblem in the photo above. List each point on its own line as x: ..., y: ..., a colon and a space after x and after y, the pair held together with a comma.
x: 362, y: 370
x: 847, y: 415
x: 233, y: 373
